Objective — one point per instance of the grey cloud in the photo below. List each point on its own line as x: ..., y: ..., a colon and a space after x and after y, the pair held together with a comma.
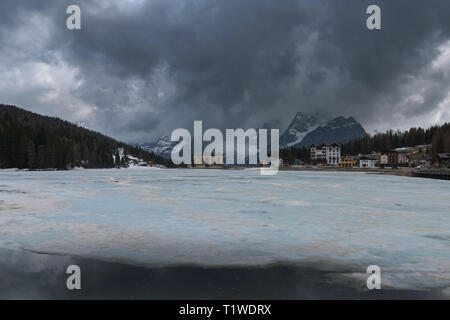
x: 147, y: 67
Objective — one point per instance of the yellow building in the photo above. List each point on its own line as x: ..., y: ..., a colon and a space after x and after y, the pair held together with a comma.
x: 348, y: 162
x: 201, y: 161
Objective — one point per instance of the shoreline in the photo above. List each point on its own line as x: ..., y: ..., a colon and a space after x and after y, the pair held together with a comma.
x: 41, y: 276
x: 398, y: 172
x: 407, y: 172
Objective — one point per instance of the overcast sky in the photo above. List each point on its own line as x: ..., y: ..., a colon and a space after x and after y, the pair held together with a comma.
x: 139, y: 69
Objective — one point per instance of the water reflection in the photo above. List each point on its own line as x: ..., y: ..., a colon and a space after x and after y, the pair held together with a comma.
x: 37, y: 276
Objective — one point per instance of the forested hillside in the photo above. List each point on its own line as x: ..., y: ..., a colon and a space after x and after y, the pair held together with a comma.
x: 438, y: 136
x: 29, y: 140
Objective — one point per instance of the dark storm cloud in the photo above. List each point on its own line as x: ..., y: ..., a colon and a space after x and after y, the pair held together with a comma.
x: 225, y: 59
x: 142, y: 68
x: 377, y: 63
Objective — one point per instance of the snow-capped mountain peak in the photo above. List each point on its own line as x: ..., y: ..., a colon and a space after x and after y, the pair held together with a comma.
x: 306, y: 130
x: 162, y: 147
x: 300, y: 126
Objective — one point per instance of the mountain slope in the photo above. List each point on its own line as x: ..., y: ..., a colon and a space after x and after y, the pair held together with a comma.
x: 306, y: 130
x: 300, y: 126
x: 162, y: 147
x: 338, y: 130
x: 29, y: 140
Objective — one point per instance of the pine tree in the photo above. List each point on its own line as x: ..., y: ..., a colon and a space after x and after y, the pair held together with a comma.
x: 31, y: 154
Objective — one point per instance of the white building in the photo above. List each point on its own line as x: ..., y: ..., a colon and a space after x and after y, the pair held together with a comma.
x: 367, y: 162
x: 329, y: 153
x: 121, y: 153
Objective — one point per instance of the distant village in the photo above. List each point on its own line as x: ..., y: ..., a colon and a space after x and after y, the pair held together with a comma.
x: 330, y: 155
x: 411, y: 157
x: 416, y: 161
x: 421, y: 160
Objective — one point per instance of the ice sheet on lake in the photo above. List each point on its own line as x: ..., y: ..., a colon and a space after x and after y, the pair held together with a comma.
x: 345, y: 221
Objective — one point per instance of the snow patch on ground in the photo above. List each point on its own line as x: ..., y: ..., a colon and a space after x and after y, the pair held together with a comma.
x: 235, y: 217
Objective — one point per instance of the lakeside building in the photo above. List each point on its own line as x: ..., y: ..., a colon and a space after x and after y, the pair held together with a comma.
x: 395, y: 158
x: 209, y: 161
x: 349, y: 162
x: 367, y: 162
x: 329, y: 153
x: 121, y: 153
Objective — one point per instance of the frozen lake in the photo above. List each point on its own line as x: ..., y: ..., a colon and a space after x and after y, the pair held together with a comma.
x: 334, y: 221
